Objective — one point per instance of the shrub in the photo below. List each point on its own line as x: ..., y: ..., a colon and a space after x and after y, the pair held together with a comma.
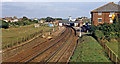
x: 113, y: 40
x: 98, y: 34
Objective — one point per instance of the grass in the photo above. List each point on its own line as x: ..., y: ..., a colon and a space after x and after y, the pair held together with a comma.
x: 12, y: 35
x: 89, y: 50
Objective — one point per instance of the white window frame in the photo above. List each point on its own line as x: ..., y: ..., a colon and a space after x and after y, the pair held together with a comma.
x: 99, y: 13
x: 111, y: 21
x: 98, y: 20
x: 112, y: 13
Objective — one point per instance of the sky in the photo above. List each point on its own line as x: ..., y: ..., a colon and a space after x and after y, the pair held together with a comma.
x: 59, y: 0
x: 52, y: 8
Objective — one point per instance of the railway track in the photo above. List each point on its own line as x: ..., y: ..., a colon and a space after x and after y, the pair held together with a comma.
x: 54, y: 59
x: 32, y: 49
x: 54, y: 51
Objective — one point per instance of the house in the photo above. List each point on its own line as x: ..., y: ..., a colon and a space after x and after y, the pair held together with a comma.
x: 41, y: 21
x: 7, y: 19
x: 14, y: 20
x: 35, y: 19
x: 105, y: 14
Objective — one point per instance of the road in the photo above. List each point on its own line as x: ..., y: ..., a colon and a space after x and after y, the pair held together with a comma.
x: 57, y: 50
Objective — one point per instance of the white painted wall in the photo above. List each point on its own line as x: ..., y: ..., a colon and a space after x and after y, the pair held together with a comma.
x: 60, y: 24
x: 75, y: 24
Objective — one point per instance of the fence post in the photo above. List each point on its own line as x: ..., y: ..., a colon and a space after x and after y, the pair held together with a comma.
x: 109, y: 52
x: 105, y: 48
x: 116, y: 59
x: 112, y: 56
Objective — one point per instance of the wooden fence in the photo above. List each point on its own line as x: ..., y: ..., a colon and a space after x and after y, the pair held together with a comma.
x: 113, y: 57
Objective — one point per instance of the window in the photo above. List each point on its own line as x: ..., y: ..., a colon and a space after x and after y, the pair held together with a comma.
x: 99, y: 19
x: 112, y: 13
x: 100, y: 13
x: 111, y: 21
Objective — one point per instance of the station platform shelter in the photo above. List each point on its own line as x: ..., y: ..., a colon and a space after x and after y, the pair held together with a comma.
x: 70, y: 23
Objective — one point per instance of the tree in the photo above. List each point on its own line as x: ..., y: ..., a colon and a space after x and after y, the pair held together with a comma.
x: 93, y: 28
x: 24, y: 18
x: 118, y: 17
x: 49, y: 19
x: 58, y: 18
x: 26, y: 22
x: 98, y: 34
x: 5, y: 24
x: 35, y: 21
x: 14, y: 17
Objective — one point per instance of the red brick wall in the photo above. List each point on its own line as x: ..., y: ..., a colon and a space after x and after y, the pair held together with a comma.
x: 105, y: 18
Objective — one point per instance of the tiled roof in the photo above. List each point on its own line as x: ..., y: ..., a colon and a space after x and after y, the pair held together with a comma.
x: 108, y: 7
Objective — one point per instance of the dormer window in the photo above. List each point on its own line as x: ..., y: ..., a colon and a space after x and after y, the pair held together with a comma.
x: 99, y: 13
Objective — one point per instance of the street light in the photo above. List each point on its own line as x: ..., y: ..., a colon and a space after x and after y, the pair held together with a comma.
x: 80, y: 32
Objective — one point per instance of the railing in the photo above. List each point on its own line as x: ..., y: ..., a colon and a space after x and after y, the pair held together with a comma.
x: 113, y: 56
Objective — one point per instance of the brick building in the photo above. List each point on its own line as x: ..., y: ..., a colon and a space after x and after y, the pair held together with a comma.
x: 104, y: 13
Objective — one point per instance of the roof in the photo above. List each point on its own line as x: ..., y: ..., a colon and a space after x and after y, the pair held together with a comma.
x: 107, y: 8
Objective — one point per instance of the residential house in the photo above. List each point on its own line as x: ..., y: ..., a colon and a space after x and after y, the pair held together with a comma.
x: 14, y: 20
x: 105, y: 13
x: 41, y: 21
x: 35, y: 19
x: 7, y: 19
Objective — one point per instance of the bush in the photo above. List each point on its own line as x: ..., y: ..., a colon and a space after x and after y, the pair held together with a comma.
x: 108, y: 30
x: 98, y: 34
x: 113, y: 40
x: 5, y: 25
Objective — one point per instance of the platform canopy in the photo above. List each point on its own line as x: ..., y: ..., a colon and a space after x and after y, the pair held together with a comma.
x: 69, y: 21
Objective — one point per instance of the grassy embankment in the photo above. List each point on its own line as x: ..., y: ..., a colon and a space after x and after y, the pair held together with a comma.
x: 14, y: 36
x: 89, y: 50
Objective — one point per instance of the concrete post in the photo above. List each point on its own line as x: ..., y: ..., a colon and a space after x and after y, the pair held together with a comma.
x: 80, y: 32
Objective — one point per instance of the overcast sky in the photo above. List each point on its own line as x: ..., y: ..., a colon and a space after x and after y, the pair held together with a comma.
x: 60, y: 0
x: 43, y: 8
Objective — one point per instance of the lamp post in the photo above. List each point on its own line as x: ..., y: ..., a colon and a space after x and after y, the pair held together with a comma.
x: 80, y: 31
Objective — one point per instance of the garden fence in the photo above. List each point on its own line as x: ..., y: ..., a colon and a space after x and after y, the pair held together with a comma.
x: 113, y: 57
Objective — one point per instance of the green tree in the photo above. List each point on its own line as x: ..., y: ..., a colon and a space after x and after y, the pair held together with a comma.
x: 35, y: 21
x: 49, y: 19
x: 24, y: 18
x: 98, y: 34
x: 5, y: 24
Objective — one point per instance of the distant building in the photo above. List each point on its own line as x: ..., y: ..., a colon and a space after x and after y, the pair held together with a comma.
x: 70, y: 19
x: 104, y: 14
x: 35, y: 19
x: 14, y: 20
x: 83, y: 19
x: 41, y: 21
x: 7, y: 19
